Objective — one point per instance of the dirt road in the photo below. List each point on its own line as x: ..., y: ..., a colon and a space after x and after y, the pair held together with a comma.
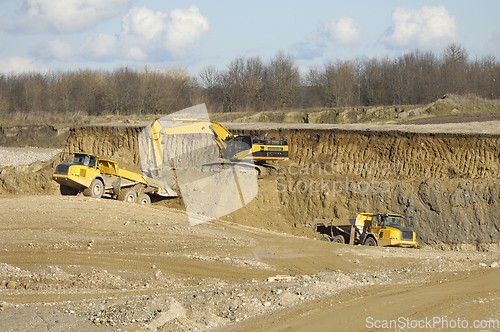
x: 97, y: 264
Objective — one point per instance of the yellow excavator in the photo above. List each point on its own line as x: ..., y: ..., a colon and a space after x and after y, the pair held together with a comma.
x: 232, y: 149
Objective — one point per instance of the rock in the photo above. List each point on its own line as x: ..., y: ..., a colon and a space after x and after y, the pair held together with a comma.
x: 306, y: 277
x: 11, y: 285
x: 157, y: 274
x: 210, y: 324
x: 483, y: 265
x: 280, y: 277
x: 175, y: 310
x: 267, y: 304
x: 494, y: 264
x: 402, y: 115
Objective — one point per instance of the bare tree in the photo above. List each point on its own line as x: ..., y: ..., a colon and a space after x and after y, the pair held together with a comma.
x: 122, y: 95
x: 454, y: 68
x: 281, y: 81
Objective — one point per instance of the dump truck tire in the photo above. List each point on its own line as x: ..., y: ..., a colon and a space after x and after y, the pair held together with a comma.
x: 338, y: 239
x: 324, y: 238
x: 144, y: 199
x: 370, y: 242
x: 96, y: 189
x: 127, y: 195
x: 68, y: 191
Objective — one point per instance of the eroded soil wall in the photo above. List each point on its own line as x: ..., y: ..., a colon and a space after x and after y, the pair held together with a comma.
x: 447, y: 183
x: 42, y: 136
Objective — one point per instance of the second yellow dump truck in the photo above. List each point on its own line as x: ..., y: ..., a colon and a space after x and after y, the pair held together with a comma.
x: 96, y: 177
x: 371, y: 229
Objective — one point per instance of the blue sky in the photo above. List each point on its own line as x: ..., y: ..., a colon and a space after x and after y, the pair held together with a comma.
x: 42, y: 35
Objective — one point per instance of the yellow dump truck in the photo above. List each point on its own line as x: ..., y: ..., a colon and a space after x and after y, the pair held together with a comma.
x: 96, y: 177
x: 369, y: 229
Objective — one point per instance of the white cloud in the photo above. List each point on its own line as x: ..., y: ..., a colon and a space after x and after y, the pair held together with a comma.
x: 145, y: 35
x: 146, y: 32
x: 184, y: 30
x: 344, y: 30
x: 65, y: 16
x: 144, y: 23
x: 17, y: 64
x: 100, y: 47
x: 56, y: 49
x: 429, y: 26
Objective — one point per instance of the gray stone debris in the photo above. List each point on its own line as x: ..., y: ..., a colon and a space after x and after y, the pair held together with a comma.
x: 10, y: 157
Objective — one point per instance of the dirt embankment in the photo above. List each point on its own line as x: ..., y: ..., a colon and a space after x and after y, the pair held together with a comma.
x: 43, y: 136
x: 447, y: 183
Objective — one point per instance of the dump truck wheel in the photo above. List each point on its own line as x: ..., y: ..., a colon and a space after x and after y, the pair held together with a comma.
x: 338, y: 239
x: 96, y: 189
x: 128, y: 196
x: 325, y: 239
x: 68, y: 191
x: 370, y: 242
x: 144, y: 199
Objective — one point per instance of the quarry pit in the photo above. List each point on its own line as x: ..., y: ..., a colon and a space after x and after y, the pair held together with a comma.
x: 447, y: 182
x: 102, y: 265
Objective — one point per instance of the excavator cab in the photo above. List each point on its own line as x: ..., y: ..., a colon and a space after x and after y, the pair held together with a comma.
x: 237, y: 144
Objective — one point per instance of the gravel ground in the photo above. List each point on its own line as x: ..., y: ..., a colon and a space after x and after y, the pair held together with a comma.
x: 25, y: 156
x: 97, y: 264
x: 85, y: 264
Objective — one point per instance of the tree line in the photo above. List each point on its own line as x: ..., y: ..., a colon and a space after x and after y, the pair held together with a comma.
x: 250, y: 85
x: 67, y: 96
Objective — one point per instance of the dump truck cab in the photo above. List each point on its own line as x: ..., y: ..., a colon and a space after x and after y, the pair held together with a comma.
x: 85, y: 159
x: 393, y: 230
x: 77, y: 174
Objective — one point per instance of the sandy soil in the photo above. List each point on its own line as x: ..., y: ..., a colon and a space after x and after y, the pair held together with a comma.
x: 97, y: 264
x: 83, y: 264
x: 485, y: 116
x: 431, y: 125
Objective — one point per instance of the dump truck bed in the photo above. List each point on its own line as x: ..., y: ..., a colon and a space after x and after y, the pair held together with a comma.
x: 110, y: 167
x: 334, y: 222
